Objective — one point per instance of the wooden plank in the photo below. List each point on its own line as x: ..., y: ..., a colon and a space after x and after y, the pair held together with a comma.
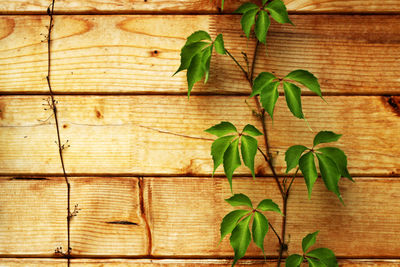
x: 33, y: 217
x: 138, y: 54
x: 185, y: 214
x: 173, y: 262
x: 190, y: 6
x: 158, y: 135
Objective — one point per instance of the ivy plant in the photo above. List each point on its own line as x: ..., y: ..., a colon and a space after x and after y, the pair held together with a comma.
x: 231, y: 147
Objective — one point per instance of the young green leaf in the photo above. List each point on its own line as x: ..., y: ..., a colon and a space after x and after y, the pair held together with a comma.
x: 325, y: 255
x: 326, y: 137
x: 230, y: 221
x: 262, y: 26
x: 268, y: 205
x: 338, y: 156
x: 188, y: 52
x: 315, y: 263
x: 251, y: 130
x: 294, y: 260
x: 248, y: 20
x: 239, y: 200
x: 293, y: 99
x: 278, y: 11
x: 292, y: 156
x: 268, y: 97
x: 206, y: 61
x: 231, y: 160
x: 240, y: 238
x: 308, y: 241
x: 307, y: 167
x: 222, y: 129
x: 219, y: 45
x: 261, y: 81
x: 195, y: 71
x: 248, y: 148
x: 307, y: 79
x: 222, y: 5
x: 329, y: 173
x: 197, y: 37
x: 259, y: 230
x: 218, y: 149
x: 246, y: 7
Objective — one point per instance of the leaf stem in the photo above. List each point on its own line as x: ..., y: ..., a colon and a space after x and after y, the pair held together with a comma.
x: 276, y: 234
x: 238, y: 64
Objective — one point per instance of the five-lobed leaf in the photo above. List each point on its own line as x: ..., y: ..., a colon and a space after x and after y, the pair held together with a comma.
x: 206, y: 61
x: 239, y: 200
x: 222, y: 129
x: 293, y: 99
x: 219, y: 45
x: 329, y: 173
x: 262, y: 26
x: 218, y: 148
x: 240, y: 238
x: 188, y: 52
x: 325, y: 137
x: 259, y: 229
x: 195, y: 71
x: 315, y: 263
x: 230, y: 221
x: 294, y: 260
x: 248, y: 20
x: 292, y: 156
x: 308, y: 241
x: 268, y: 97
x: 231, y: 160
x: 340, y: 159
x: 325, y: 255
x: 307, y: 79
x: 248, y: 148
x: 307, y: 167
x: 262, y: 80
x: 251, y: 130
x: 278, y: 11
x: 197, y: 37
x: 246, y: 7
x: 268, y: 205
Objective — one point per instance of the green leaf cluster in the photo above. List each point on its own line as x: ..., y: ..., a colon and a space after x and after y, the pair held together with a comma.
x: 196, y: 56
x: 320, y: 257
x: 237, y: 223
x: 332, y: 162
x: 258, y: 16
x: 266, y: 85
x: 225, y: 149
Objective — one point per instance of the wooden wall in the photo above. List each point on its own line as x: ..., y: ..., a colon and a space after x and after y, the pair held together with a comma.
x: 139, y: 162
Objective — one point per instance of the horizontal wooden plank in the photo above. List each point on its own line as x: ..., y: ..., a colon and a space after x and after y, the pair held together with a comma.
x: 33, y: 217
x: 138, y: 54
x: 191, y: 6
x: 158, y: 135
x: 173, y: 262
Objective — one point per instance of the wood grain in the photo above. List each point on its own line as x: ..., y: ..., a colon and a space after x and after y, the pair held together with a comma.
x: 190, y: 6
x: 138, y: 54
x: 158, y: 135
x: 174, y: 262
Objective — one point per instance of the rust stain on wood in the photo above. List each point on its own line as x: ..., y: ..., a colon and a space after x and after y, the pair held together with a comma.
x: 393, y: 102
x: 7, y: 26
x: 71, y: 27
x: 143, y: 214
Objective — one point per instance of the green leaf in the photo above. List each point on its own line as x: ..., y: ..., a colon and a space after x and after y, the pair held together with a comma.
x: 195, y: 71
x: 307, y: 167
x: 325, y: 255
x: 268, y: 205
x: 292, y: 156
x: 197, y: 37
x: 222, y: 5
x: 329, y: 173
x: 246, y: 7
x: 338, y: 156
x: 262, y: 26
x: 326, y: 137
x: 231, y: 160
x: 264, y: 2
x: 240, y: 238
x: 239, y: 200
x: 230, y: 221
x: 278, y: 11
x: 294, y: 260
x: 206, y: 60
x: 219, y: 45
x: 293, y: 99
x: 188, y: 52
x: 218, y: 149
x: 259, y: 229
x: 308, y: 241
x: 222, y: 128
x: 269, y: 96
x: 315, y: 263
x: 261, y: 81
x: 307, y: 79
x: 248, y: 20
x: 251, y: 130
x: 248, y: 148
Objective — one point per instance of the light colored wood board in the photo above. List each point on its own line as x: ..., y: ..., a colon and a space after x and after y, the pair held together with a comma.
x: 158, y: 135
x: 139, y: 54
x: 185, y: 214
x: 191, y: 6
x: 32, y: 216
x: 4, y: 262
